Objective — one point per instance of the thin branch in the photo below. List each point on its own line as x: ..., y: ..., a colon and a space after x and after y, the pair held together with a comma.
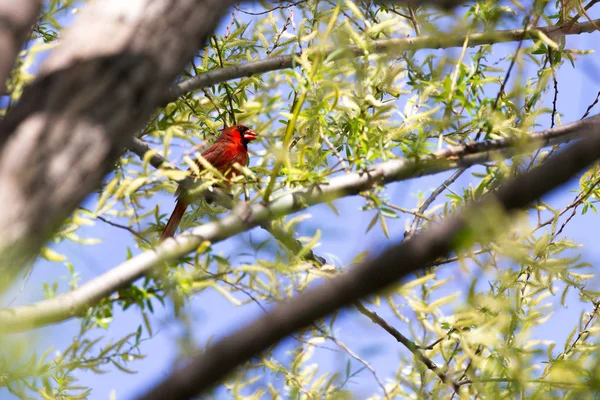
x: 593, y: 314
x: 409, y: 344
x: 406, y: 210
x: 414, y: 21
x: 288, y: 21
x: 398, y: 261
x: 124, y: 227
x: 227, y: 90
x: 280, y: 7
x: 555, y: 82
x: 337, y: 154
x: 368, y: 366
x: 578, y: 201
x: 379, y: 46
x: 244, y: 218
x: 415, y: 223
x: 587, y: 111
x: 462, y: 380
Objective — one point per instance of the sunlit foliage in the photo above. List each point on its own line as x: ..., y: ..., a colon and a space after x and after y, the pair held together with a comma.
x: 341, y: 109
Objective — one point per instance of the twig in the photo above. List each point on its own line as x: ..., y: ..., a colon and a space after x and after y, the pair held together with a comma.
x: 285, y: 26
x: 415, y: 22
x: 343, y: 162
x: 368, y: 366
x: 591, y: 317
x: 227, y: 90
x: 217, y: 109
x: 272, y: 9
x: 407, y: 211
x: 462, y: 380
x: 587, y: 111
x: 393, y: 10
x: 580, y: 199
x: 127, y: 228
x: 421, y: 211
x: 438, y: 341
x: 587, y: 7
x: 231, y: 23
x: 409, y: 344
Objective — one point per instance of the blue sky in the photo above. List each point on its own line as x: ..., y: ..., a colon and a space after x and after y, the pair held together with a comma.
x: 213, y: 315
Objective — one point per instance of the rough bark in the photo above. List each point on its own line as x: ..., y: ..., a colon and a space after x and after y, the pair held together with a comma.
x: 16, y: 19
x: 92, y: 93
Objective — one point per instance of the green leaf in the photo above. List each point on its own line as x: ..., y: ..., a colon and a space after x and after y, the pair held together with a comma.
x: 52, y: 255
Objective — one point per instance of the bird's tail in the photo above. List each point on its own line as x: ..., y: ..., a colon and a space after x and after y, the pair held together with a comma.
x: 174, y: 220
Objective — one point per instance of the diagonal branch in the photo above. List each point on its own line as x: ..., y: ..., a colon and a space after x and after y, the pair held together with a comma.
x: 69, y: 305
x: 295, y: 246
x: 208, y: 369
x: 378, y: 46
x: 72, y: 122
x: 16, y: 20
x: 409, y: 344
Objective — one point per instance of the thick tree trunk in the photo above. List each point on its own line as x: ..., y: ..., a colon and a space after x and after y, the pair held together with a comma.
x: 16, y: 19
x: 94, y: 91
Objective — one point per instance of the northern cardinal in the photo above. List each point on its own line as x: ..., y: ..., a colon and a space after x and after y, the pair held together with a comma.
x: 229, y: 148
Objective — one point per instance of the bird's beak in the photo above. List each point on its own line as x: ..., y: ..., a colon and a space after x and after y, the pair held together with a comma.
x: 250, y: 135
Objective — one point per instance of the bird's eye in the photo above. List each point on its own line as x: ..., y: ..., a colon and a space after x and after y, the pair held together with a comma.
x: 242, y: 128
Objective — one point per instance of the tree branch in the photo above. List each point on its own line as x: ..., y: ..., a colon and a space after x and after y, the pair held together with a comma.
x: 68, y: 305
x: 295, y: 246
x: 94, y: 91
x: 379, y: 46
x: 409, y: 344
x: 16, y: 20
x: 398, y: 261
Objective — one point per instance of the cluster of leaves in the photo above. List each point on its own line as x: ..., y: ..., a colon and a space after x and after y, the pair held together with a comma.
x: 331, y: 115
x: 52, y: 374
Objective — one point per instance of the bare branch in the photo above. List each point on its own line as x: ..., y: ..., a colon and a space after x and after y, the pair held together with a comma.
x: 355, y: 356
x: 16, y: 19
x: 92, y: 93
x: 409, y: 344
x: 379, y: 46
x: 68, y: 305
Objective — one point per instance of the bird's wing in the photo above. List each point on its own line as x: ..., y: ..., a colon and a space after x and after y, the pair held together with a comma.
x: 222, y: 156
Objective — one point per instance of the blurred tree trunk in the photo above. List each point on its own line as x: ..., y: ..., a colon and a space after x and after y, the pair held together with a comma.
x: 92, y: 93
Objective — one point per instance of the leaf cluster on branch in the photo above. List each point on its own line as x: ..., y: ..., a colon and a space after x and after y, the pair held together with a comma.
x: 102, y: 117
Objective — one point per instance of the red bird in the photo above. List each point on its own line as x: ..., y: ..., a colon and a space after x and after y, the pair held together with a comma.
x: 229, y: 148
